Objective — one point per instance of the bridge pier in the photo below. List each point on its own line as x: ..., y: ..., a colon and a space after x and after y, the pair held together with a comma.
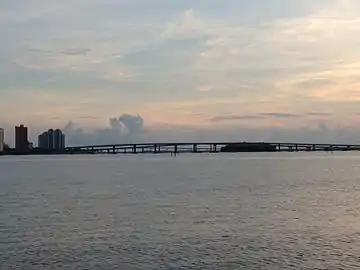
x: 195, y: 148
x: 134, y: 149
x: 155, y: 148
x: 214, y: 148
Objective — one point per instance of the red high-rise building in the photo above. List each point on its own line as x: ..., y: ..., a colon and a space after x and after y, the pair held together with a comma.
x: 21, y: 138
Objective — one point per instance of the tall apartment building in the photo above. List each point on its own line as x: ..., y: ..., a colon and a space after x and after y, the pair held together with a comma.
x: 52, y: 140
x: 21, y: 138
x: 2, y: 137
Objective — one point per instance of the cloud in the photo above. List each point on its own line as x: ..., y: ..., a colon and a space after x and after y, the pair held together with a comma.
x: 280, y: 115
x: 323, y: 127
x: 134, y: 124
x: 259, y: 116
x: 88, y: 117
x: 262, y: 116
x: 69, y: 128
x: 130, y: 128
x: 291, y: 57
x: 78, y: 51
x: 315, y: 83
x: 320, y: 133
x: 319, y: 114
x: 124, y: 129
x: 115, y: 124
x: 205, y: 88
x: 115, y: 134
x: 235, y: 117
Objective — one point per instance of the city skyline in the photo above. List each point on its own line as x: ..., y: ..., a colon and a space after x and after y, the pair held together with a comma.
x: 50, y: 139
x: 201, y: 69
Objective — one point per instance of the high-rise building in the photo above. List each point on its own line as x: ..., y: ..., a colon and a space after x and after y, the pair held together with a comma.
x: 42, y: 141
x: 21, y: 138
x: 2, y: 140
x: 59, y: 139
x: 52, y: 140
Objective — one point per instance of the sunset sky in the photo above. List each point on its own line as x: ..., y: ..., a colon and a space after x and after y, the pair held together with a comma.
x: 212, y: 66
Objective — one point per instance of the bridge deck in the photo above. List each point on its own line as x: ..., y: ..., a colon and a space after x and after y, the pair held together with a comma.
x: 204, y: 147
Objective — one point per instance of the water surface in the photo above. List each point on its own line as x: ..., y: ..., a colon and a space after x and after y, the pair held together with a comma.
x: 233, y: 211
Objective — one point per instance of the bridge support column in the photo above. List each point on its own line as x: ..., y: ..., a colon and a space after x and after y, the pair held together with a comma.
x: 114, y: 149
x: 297, y: 148
x: 195, y: 148
x: 314, y: 147
x: 134, y: 149
x: 155, y: 148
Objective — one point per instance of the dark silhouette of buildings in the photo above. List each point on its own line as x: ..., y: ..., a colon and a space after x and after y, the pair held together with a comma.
x: 52, y: 140
x: 21, y: 138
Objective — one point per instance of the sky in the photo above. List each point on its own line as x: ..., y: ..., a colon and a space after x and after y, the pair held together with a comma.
x: 139, y: 70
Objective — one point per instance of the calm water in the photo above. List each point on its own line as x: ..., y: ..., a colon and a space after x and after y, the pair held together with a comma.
x: 286, y: 211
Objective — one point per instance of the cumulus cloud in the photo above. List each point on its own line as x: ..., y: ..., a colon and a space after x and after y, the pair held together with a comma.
x: 124, y: 129
x: 134, y: 124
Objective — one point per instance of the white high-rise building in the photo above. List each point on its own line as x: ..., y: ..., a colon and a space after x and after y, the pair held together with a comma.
x: 2, y: 139
x: 52, y: 140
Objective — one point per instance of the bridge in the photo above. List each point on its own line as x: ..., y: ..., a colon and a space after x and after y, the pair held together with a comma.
x: 207, y: 147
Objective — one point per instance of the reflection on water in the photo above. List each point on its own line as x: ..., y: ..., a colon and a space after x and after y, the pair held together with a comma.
x: 260, y: 211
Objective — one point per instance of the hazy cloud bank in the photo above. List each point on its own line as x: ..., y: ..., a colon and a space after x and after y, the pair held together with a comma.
x: 131, y: 129
x: 268, y: 115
